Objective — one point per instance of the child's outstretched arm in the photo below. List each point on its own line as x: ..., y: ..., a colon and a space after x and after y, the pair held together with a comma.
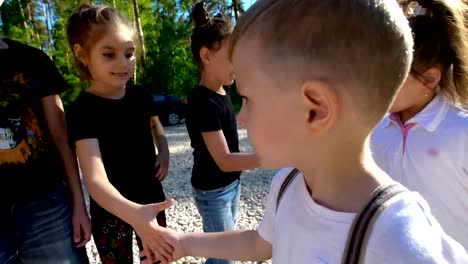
x: 246, y: 245
x: 141, y: 217
x: 163, y: 149
x: 227, y: 161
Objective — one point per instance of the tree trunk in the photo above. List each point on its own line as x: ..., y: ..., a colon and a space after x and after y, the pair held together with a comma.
x: 49, y: 15
x: 135, y: 69
x: 32, y: 22
x: 235, y: 5
x: 46, y: 21
x: 22, y: 14
x: 140, y: 36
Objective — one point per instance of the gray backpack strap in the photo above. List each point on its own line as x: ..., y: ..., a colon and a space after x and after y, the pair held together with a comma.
x: 362, y: 225
x: 285, y: 186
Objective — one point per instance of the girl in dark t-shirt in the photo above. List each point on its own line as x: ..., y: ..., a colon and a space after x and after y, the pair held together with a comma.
x: 212, y: 128
x: 114, y: 128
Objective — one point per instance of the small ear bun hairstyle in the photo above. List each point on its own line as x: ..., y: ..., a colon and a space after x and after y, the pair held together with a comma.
x: 201, y: 17
x: 208, y: 32
x: 429, y: 8
x: 83, y: 7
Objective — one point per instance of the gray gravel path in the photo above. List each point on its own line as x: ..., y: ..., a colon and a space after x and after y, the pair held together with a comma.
x: 184, y: 215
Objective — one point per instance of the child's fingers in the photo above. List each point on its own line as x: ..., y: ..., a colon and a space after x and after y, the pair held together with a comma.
x: 163, y: 251
x: 157, y: 168
x: 167, y: 247
x: 148, y: 253
x: 82, y: 243
x: 159, y: 174
x: 76, y: 233
x: 163, y: 175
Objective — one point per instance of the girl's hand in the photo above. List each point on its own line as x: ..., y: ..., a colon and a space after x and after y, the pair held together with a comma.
x: 162, y: 167
x: 151, y: 234
x: 174, y: 239
x: 81, y: 226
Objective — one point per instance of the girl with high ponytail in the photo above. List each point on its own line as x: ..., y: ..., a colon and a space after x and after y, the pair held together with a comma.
x: 423, y: 142
x: 212, y: 128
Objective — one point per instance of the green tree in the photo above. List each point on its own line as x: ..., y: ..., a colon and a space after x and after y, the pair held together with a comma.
x: 166, y: 26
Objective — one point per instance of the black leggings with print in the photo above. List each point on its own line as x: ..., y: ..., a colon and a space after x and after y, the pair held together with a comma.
x: 114, y: 237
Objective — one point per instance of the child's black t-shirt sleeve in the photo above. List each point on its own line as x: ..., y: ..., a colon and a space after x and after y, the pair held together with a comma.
x: 207, y: 116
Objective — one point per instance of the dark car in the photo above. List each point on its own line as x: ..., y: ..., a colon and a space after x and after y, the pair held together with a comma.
x: 170, y: 108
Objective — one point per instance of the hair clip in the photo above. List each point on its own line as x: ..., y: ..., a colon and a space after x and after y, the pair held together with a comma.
x: 420, y: 11
x: 207, y: 15
x: 417, y: 8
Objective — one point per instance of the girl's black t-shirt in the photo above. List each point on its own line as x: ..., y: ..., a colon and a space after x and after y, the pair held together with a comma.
x: 208, y: 111
x: 123, y: 130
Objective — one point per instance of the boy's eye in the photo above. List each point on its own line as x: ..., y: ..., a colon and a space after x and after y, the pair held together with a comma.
x: 129, y: 55
x: 109, y: 55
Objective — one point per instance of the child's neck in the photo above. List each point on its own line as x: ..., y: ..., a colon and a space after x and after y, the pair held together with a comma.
x: 212, y: 84
x: 106, y: 91
x: 344, y: 184
x: 411, y: 112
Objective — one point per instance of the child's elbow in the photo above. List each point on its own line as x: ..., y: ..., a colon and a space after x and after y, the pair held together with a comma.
x: 224, y: 164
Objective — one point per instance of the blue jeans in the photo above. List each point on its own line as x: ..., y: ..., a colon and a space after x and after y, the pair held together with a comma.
x: 219, y: 210
x: 39, y: 231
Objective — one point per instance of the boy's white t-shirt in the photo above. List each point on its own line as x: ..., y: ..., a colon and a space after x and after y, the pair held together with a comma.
x: 302, y: 231
x: 429, y: 155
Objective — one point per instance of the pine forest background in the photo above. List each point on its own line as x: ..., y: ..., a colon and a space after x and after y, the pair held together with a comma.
x: 166, y: 65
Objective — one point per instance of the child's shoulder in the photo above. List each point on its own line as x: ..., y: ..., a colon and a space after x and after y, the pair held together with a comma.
x: 25, y: 49
x: 407, y: 232
x: 201, y: 96
x: 457, y: 116
x: 83, y: 104
x: 81, y: 100
x: 279, y: 178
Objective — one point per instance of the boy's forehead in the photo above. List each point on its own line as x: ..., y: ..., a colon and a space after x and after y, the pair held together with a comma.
x: 247, y: 49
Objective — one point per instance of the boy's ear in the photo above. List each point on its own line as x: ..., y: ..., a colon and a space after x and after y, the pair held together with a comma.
x: 78, y: 51
x: 431, y: 78
x: 205, y: 55
x: 321, y: 105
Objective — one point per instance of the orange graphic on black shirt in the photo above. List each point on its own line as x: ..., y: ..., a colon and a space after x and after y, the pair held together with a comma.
x: 20, y: 132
